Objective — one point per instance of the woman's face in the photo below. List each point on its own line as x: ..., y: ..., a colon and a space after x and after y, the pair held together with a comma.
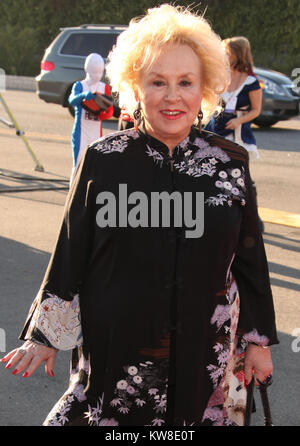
x: 170, y: 94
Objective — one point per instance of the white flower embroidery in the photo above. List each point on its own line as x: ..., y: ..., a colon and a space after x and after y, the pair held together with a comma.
x: 122, y: 384
x: 152, y: 391
x: 94, y: 415
x: 227, y: 185
x: 115, y: 402
x: 139, y: 402
x: 130, y: 390
x: 59, y: 320
x: 132, y: 370
x: 157, y: 422
x: 216, y: 201
x: 117, y: 142
x: 223, y: 174
x: 233, y: 188
x: 219, y: 183
x: 235, y: 173
x: 123, y: 410
x: 158, y: 157
x: 137, y: 379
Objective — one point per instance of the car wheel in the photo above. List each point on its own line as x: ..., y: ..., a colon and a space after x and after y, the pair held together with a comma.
x: 263, y: 123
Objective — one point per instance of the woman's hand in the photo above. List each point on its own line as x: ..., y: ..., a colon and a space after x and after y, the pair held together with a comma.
x: 258, y: 362
x: 232, y: 124
x: 30, y: 357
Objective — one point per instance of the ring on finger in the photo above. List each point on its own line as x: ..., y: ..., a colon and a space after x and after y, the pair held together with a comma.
x: 22, y: 351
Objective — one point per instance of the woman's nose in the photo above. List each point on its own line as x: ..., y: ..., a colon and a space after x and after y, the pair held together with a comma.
x: 172, y: 93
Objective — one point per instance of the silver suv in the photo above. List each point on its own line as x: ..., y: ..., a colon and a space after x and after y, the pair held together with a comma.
x: 63, y: 61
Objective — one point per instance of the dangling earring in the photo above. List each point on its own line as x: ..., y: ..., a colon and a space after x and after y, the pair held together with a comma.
x: 200, y: 117
x: 137, y: 116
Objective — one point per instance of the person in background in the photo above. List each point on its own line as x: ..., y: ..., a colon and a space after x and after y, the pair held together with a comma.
x: 88, y: 125
x: 242, y: 100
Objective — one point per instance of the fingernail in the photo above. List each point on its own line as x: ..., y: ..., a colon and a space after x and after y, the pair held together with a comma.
x: 25, y: 375
x: 51, y: 373
x: 15, y: 372
x: 8, y: 366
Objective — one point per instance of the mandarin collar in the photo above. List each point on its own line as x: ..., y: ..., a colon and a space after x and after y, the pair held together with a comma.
x: 158, y: 145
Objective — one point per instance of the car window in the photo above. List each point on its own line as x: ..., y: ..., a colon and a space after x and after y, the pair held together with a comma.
x: 82, y: 44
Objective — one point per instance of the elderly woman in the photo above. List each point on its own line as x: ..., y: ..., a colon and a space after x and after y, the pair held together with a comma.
x: 176, y: 316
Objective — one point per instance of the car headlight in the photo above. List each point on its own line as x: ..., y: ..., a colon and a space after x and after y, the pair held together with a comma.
x: 271, y: 87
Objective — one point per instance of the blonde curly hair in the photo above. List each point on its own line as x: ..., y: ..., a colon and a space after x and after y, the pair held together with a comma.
x: 146, y: 38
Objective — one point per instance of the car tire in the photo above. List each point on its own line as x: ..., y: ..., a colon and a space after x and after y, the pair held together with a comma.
x: 263, y: 122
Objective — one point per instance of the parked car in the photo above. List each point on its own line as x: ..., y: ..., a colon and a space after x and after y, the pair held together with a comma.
x: 63, y: 64
x: 280, y: 97
x: 63, y: 61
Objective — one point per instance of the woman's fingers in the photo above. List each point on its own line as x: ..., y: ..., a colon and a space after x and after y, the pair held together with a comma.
x: 258, y: 362
x: 33, y: 365
x: 22, y: 363
x: 9, y: 355
x: 13, y: 358
x: 49, y: 365
x: 29, y: 357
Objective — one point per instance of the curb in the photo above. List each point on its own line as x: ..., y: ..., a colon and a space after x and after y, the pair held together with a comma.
x: 23, y: 83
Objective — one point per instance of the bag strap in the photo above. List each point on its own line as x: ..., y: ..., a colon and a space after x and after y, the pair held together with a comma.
x: 265, y: 403
x: 249, y: 403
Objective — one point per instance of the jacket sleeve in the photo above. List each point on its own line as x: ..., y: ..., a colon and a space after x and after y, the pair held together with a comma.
x: 77, y: 95
x: 54, y: 317
x: 250, y: 270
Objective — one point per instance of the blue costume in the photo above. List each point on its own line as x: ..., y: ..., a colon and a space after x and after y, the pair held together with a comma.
x: 88, y: 126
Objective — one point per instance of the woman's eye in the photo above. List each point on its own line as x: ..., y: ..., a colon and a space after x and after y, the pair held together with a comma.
x: 158, y: 83
x: 185, y: 83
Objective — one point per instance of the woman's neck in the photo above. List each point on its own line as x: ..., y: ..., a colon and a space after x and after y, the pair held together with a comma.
x: 237, y: 79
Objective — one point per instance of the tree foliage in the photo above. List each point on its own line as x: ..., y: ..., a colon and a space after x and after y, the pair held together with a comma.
x: 27, y: 27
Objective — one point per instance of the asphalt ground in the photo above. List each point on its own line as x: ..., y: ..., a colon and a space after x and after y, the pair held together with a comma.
x: 31, y: 212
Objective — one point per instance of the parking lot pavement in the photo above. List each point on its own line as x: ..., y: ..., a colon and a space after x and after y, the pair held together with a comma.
x: 30, y: 220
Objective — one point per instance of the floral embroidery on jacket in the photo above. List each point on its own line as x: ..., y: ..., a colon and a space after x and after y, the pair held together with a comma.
x: 255, y: 338
x: 59, y: 321
x: 141, y: 386
x: 158, y: 157
x: 227, y: 376
x: 203, y: 161
x: 117, y: 142
x: 232, y: 184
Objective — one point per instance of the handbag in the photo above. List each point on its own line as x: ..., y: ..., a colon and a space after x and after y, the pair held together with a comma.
x: 98, y: 104
x: 250, y: 404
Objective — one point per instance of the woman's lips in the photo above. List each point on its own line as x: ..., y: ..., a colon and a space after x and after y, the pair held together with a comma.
x: 172, y: 114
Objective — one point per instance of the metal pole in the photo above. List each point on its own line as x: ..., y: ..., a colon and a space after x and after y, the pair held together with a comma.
x: 20, y: 132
